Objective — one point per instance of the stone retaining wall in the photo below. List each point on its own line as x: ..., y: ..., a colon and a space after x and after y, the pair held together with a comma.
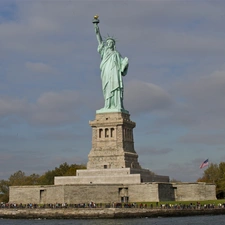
x: 105, y: 193
x: 89, y: 213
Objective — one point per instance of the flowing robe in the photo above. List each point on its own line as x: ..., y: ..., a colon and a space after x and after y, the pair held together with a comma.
x: 112, y: 67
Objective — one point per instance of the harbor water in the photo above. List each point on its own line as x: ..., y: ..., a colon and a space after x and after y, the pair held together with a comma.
x: 190, y: 220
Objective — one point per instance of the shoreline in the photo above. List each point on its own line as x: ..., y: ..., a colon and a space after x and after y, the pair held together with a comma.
x: 103, y: 213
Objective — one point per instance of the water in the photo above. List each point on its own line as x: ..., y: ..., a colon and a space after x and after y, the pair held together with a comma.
x: 192, y: 220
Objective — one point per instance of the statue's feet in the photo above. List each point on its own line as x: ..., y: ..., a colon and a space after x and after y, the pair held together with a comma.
x: 105, y: 110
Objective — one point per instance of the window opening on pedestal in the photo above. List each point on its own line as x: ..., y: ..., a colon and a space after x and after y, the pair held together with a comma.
x: 100, y: 133
x: 112, y: 132
x: 106, y: 132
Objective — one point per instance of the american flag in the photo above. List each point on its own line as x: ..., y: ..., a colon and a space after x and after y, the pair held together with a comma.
x: 205, y: 163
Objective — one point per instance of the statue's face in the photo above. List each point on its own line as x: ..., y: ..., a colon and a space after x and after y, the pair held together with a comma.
x: 110, y: 43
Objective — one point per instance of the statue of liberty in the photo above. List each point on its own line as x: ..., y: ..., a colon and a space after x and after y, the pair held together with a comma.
x: 112, y: 67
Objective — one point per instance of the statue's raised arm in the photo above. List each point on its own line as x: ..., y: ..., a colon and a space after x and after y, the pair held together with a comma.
x: 97, y: 30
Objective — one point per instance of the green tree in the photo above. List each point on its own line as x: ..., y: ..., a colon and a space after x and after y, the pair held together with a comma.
x: 73, y: 169
x: 215, y: 174
x: 47, y: 178
x: 19, y: 178
x: 4, y: 190
x: 221, y: 180
x: 211, y: 174
x: 63, y: 170
x: 33, y: 179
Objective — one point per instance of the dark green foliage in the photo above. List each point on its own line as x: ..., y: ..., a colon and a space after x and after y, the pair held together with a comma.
x: 63, y: 170
x: 4, y: 190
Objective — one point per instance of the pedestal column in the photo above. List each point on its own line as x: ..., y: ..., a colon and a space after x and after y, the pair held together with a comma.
x: 112, y: 142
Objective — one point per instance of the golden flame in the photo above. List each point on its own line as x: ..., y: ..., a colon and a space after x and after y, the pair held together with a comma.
x: 96, y: 17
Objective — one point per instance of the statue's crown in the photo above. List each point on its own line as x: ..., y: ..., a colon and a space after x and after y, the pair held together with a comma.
x: 111, y: 38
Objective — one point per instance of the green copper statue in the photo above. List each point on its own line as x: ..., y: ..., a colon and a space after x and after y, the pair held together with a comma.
x: 112, y: 67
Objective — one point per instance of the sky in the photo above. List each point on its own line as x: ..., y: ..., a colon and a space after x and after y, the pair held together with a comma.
x: 50, y: 85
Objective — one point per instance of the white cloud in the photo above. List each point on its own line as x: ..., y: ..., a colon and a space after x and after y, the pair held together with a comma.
x: 141, y: 97
x: 55, y: 108
x: 39, y: 67
x: 62, y: 101
x: 204, y: 97
x: 199, y: 103
x: 11, y: 106
x: 52, y: 108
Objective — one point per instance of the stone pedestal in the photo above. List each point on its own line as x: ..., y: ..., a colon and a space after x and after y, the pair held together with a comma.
x: 112, y: 159
x: 111, y: 176
x: 112, y: 142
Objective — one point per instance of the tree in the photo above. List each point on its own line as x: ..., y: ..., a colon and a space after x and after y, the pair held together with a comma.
x: 221, y: 180
x: 63, y: 170
x: 211, y: 174
x: 33, y: 179
x: 4, y: 191
x: 19, y: 178
x: 215, y: 174
x: 47, y: 178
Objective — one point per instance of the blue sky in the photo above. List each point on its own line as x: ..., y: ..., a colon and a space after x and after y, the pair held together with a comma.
x: 50, y: 83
